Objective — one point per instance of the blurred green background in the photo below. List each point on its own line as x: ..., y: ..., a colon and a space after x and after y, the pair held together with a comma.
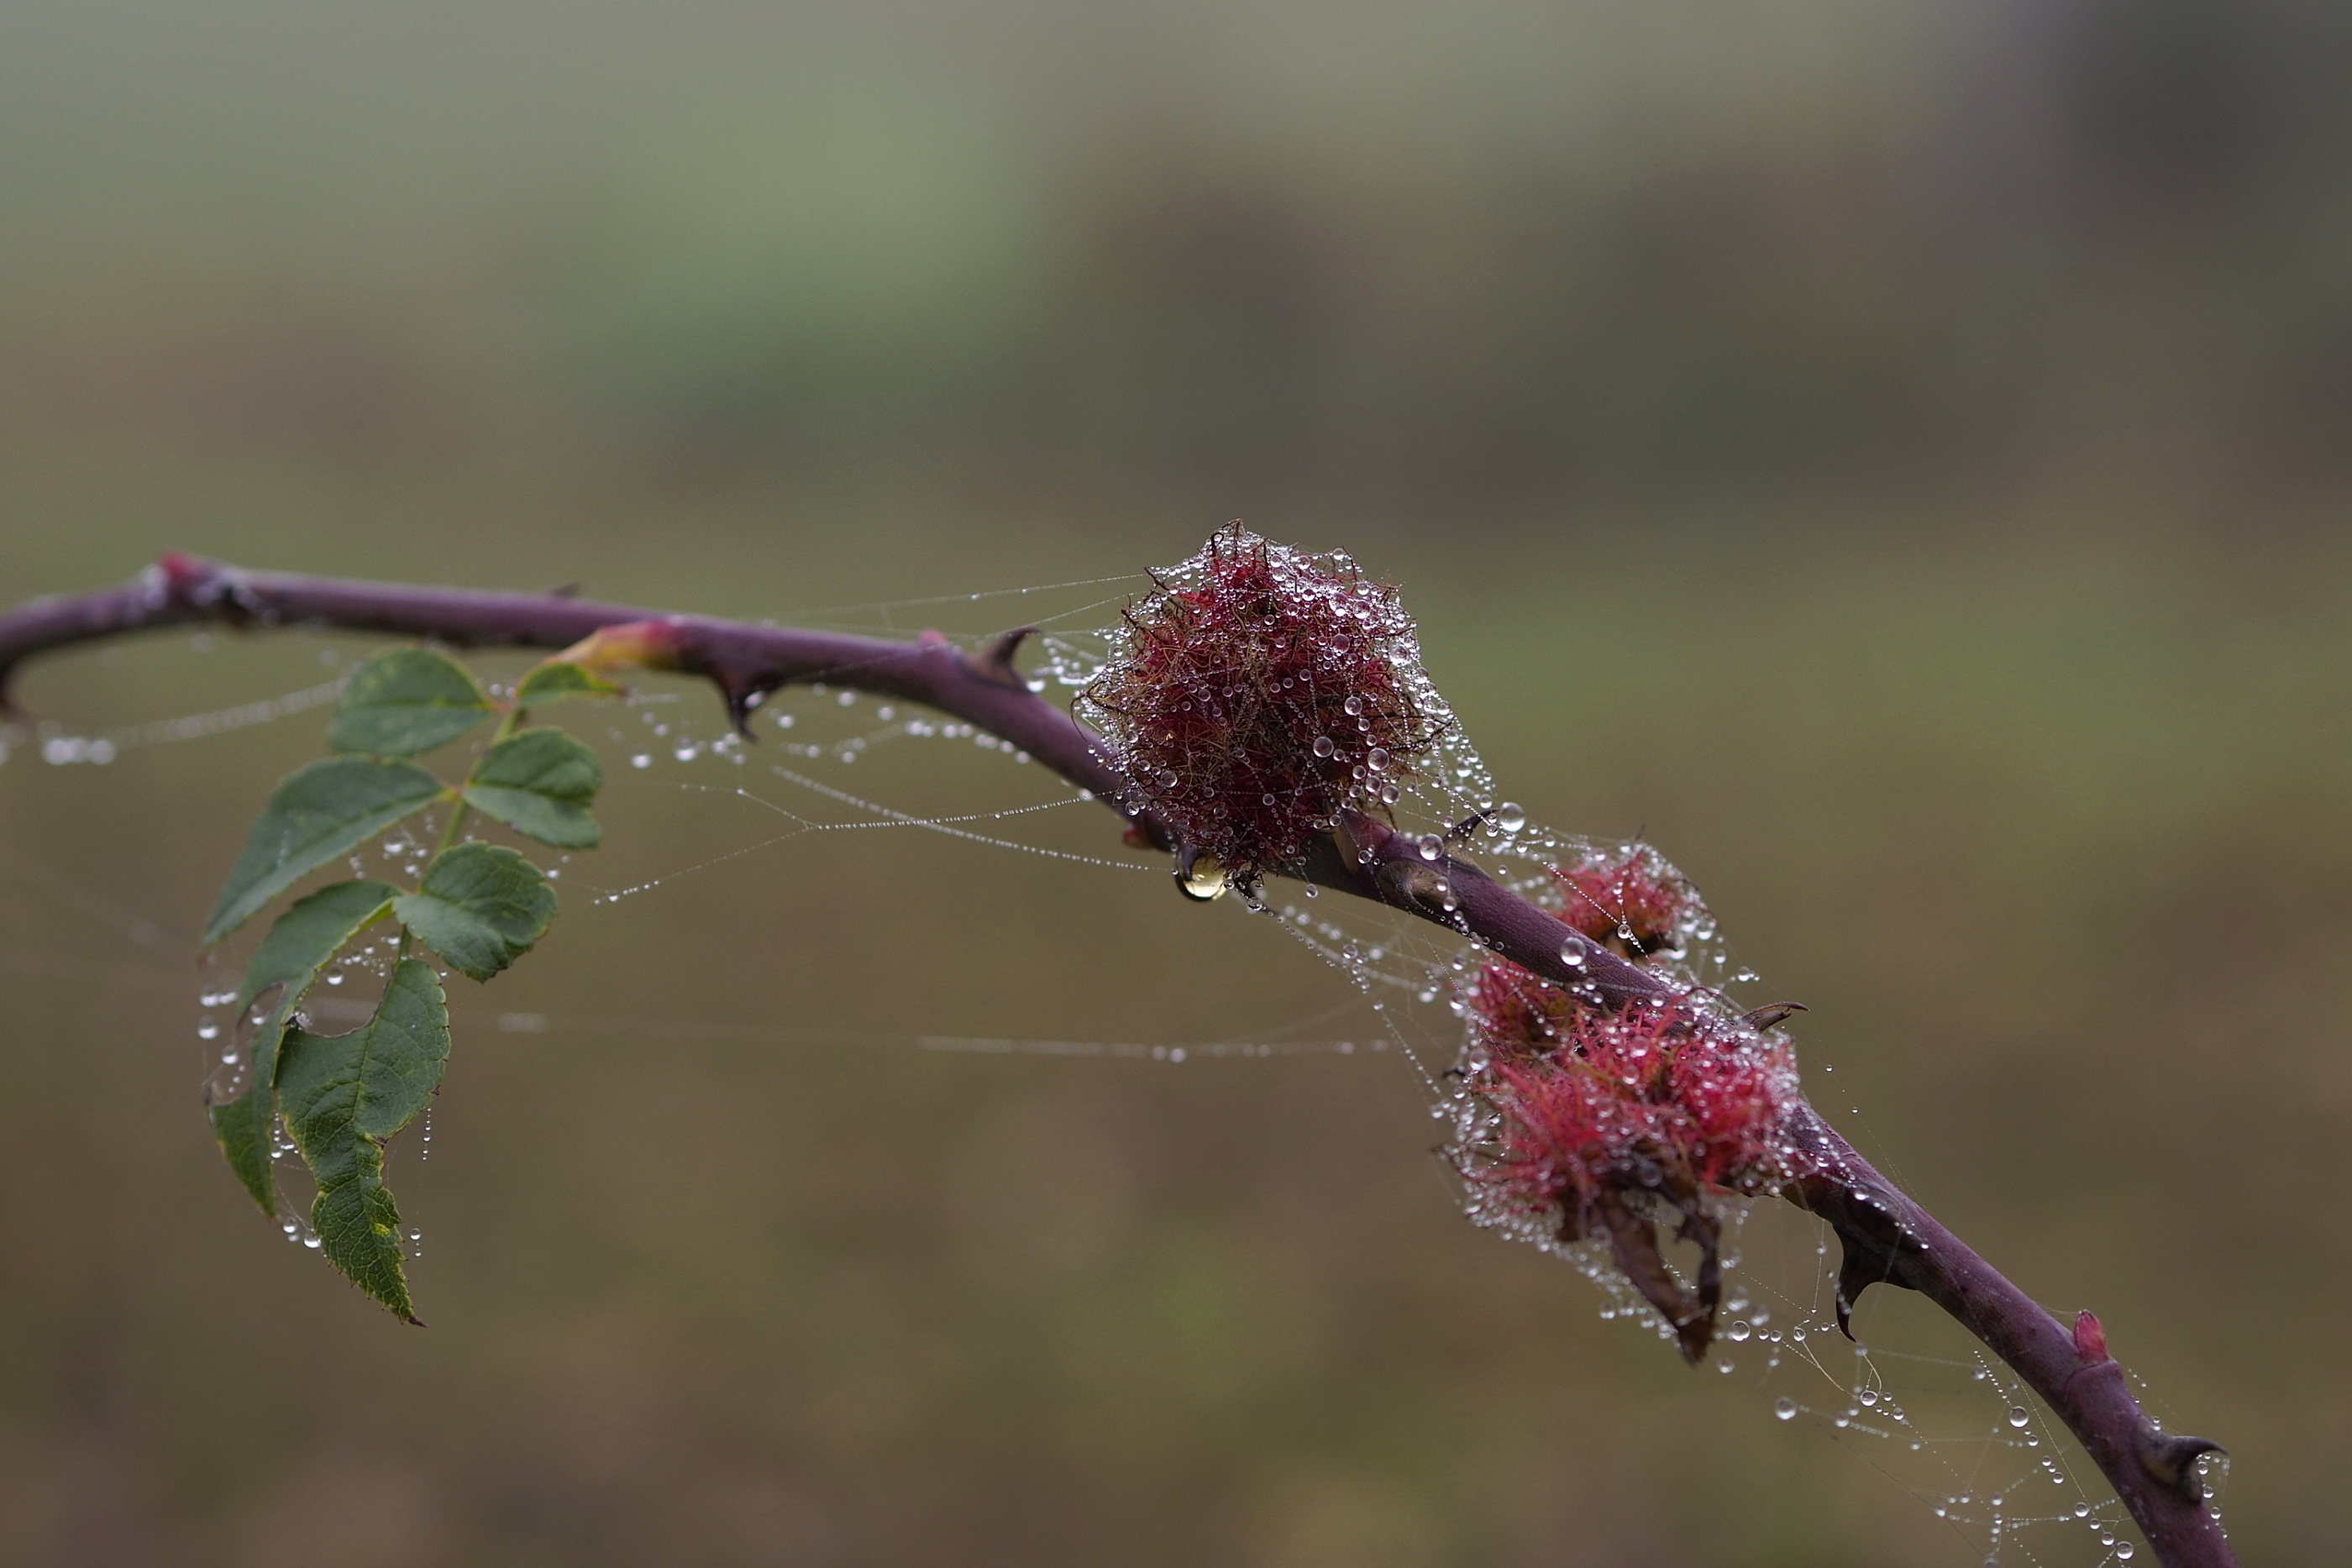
x: 1894, y: 455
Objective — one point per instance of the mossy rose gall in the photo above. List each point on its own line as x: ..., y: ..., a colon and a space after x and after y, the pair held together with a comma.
x: 1258, y: 690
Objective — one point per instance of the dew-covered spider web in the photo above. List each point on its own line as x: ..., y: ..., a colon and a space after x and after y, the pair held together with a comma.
x: 1910, y: 1396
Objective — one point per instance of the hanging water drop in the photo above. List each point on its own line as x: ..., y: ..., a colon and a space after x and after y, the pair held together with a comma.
x: 1785, y: 1409
x: 2017, y: 1416
x: 1510, y: 817
x: 1203, y: 881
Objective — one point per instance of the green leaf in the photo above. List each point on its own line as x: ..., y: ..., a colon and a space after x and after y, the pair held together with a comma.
x: 405, y: 702
x: 480, y: 906
x: 539, y: 783
x: 555, y: 680
x: 288, y: 960
x: 344, y: 1094
x: 315, y: 814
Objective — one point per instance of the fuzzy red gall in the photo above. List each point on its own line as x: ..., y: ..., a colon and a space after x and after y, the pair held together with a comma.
x: 1634, y: 902
x: 1258, y: 692
x: 1665, y: 1099
x: 1517, y: 1014
x: 1593, y: 1123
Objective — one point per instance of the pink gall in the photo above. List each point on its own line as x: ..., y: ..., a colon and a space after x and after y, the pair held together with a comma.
x: 1632, y: 901
x: 1601, y: 1123
x: 1257, y: 694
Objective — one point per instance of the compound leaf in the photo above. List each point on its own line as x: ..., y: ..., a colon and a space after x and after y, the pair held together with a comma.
x: 315, y: 814
x: 342, y: 1096
x: 288, y: 960
x: 539, y: 783
x: 480, y: 906
x: 556, y: 680
x: 405, y: 702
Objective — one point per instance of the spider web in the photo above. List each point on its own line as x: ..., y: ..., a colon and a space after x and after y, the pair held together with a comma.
x: 1911, y: 1396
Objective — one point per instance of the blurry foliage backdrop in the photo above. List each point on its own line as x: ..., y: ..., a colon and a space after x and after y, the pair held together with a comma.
x: 1894, y: 453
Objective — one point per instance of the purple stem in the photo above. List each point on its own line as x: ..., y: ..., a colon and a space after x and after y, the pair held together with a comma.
x: 1887, y: 1238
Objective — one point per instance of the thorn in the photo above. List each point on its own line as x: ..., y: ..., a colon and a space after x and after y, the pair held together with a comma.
x: 1769, y: 1014
x: 741, y: 701
x: 1461, y: 832
x: 994, y: 662
x: 2090, y: 1339
x: 1860, y: 1266
x: 2171, y: 1462
x: 1409, y: 884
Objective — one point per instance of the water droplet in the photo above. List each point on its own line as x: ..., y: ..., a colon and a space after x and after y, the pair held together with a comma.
x: 1325, y: 745
x: 2082, y: 1511
x: 1739, y: 1332
x: 2123, y: 1550
x: 1354, y: 705
x: 687, y: 752
x: 1377, y: 759
x: 847, y: 699
x: 1204, y: 882
x: 207, y: 1030
x: 1430, y: 845
x: 1390, y: 794
x: 1868, y: 1397
x: 1572, y: 954
x: 1786, y: 1408
x: 642, y: 759
x: 1510, y: 816
x: 311, y: 1240
x: 2017, y: 1416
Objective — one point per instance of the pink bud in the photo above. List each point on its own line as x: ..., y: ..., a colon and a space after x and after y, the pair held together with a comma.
x: 2090, y: 1339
